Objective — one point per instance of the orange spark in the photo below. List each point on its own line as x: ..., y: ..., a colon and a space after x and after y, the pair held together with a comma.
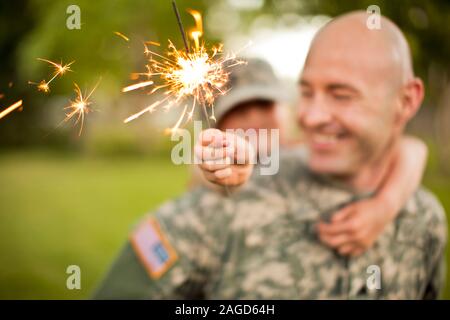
x: 137, y: 86
x: 153, y: 43
x: 60, y: 70
x: 11, y: 108
x: 121, y: 35
x: 149, y: 109
x: 43, y: 86
x: 79, y: 107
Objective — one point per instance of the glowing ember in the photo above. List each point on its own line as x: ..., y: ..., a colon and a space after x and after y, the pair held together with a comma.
x: 124, y: 37
x: 137, y: 86
x: 60, y: 70
x: 11, y: 108
x: 79, y: 107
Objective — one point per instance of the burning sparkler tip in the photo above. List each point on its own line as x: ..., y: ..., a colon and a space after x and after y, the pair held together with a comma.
x: 199, y: 72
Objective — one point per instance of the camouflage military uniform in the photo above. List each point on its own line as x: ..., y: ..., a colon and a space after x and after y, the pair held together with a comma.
x: 262, y: 243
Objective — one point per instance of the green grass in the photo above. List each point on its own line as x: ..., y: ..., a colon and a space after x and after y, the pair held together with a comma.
x: 58, y: 210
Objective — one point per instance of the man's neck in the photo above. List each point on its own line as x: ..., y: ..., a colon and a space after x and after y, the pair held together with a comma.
x: 371, y: 177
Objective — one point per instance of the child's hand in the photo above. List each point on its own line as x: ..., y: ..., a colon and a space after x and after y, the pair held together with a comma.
x: 225, y: 158
x: 355, y: 228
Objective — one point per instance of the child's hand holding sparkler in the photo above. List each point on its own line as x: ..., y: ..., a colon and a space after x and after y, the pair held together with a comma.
x: 226, y: 159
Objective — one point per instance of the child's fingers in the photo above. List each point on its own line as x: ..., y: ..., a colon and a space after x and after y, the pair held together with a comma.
x: 223, y: 173
x: 212, y: 137
x: 343, y: 214
x: 210, y: 176
x: 337, y: 240
x: 227, y: 144
x: 334, y: 228
x: 232, y: 180
x: 210, y: 154
x: 218, y: 175
x: 214, y: 165
x: 240, y: 150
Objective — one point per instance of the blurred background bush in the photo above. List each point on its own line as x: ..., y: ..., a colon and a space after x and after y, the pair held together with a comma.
x: 68, y: 199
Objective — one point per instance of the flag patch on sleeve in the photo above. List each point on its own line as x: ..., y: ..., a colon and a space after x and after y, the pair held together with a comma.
x: 153, y: 248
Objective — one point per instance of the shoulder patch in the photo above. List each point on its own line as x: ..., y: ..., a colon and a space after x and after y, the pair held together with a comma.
x: 153, y: 248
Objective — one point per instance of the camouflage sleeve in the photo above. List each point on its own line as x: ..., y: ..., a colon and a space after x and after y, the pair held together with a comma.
x: 436, y: 281
x: 436, y: 245
x: 192, y: 227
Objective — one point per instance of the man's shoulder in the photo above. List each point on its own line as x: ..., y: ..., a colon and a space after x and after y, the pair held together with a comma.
x: 428, y: 202
x: 424, y: 206
x: 164, y: 248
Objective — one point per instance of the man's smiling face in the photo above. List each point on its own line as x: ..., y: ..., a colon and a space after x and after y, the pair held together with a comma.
x: 349, y: 96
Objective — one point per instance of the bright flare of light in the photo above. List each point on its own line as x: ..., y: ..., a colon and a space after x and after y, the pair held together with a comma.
x: 79, y: 107
x: 11, y: 108
x: 200, y: 74
x: 60, y: 70
x: 43, y: 86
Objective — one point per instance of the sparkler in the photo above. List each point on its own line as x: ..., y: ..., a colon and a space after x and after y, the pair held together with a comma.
x: 199, y: 73
x: 79, y: 107
x: 11, y: 108
x: 60, y: 70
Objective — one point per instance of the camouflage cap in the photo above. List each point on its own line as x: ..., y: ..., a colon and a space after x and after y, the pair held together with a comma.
x: 250, y: 81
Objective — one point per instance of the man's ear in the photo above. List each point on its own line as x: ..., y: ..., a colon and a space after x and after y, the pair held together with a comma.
x: 412, y: 97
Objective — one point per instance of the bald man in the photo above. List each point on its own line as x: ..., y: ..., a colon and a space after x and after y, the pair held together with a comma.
x: 358, y: 92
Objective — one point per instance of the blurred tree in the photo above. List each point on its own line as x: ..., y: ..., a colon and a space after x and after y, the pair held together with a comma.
x: 11, y: 30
